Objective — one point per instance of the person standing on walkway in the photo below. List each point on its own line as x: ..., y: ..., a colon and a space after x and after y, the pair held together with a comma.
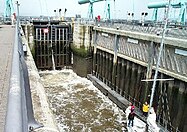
x: 131, y: 118
x: 145, y: 109
x: 132, y: 107
x: 129, y: 109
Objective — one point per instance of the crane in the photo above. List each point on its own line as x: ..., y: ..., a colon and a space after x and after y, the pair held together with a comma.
x: 90, y: 9
x: 176, y: 4
x: 9, y: 9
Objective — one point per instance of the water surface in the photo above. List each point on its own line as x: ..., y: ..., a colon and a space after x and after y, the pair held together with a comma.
x: 79, y: 106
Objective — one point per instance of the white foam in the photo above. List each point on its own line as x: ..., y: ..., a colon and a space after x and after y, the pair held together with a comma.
x: 66, y: 85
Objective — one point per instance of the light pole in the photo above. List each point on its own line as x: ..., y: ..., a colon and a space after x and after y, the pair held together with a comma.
x: 60, y: 14
x: 17, y: 13
x: 159, y: 57
x: 133, y: 6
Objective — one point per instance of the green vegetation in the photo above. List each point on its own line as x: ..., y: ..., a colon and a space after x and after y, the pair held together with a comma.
x: 79, y: 51
x: 32, y: 49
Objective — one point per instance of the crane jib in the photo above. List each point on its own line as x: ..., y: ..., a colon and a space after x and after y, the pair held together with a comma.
x: 88, y: 1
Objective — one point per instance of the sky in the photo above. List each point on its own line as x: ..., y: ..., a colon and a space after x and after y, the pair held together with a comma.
x: 47, y: 7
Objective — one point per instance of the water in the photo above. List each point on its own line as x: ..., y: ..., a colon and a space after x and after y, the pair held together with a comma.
x: 79, y: 106
x: 82, y: 66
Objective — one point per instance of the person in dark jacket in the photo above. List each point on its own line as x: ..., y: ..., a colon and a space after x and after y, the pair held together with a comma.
x: 131, y: 118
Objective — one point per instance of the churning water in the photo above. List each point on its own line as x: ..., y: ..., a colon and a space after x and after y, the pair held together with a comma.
x: 78, y: 106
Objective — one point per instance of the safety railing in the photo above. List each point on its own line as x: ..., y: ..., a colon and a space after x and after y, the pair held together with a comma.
x: 20, y: 117
x: 173, y: 30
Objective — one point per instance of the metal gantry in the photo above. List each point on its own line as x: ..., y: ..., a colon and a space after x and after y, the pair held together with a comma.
x: 90, y: 8
x: 174, y: 4
x: 9, y: 9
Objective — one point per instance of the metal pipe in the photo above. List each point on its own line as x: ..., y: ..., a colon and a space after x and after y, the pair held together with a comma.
x: 159, y: 57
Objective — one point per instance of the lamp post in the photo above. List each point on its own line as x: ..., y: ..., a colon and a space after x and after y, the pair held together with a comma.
x: 60, y: 14
x: 159, y: 57
x: 55, y: 14
x: 65, y: 10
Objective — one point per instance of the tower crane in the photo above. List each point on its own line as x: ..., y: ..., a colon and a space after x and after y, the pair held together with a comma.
x: 90, y: 9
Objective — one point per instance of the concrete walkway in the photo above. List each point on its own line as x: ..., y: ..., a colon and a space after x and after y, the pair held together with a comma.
x: 7, y: 36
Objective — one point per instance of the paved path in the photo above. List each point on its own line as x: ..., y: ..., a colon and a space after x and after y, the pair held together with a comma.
x: 6, y: 46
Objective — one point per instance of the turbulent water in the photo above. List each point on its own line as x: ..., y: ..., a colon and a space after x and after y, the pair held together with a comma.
x: 78, y: 106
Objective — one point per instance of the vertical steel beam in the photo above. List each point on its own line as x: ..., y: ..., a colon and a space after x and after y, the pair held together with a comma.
x: 115, y: 47
x: 95, y: 65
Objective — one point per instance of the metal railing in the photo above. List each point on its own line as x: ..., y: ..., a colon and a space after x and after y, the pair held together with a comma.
x: 173, y: 30
x: 20, y: 117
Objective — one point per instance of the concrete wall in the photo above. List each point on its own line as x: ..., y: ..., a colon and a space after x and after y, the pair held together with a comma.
x: 81, y: 36
x: 143, y: 48
x: 123, y: 58
x: 42, y: 112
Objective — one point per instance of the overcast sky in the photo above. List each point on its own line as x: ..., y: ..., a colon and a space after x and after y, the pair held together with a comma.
x: 47, y: 7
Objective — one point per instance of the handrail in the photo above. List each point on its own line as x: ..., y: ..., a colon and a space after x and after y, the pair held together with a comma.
x: 20, y: 117
x: 14, y: 117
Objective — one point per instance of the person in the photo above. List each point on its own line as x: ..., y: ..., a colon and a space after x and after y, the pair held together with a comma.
x: 129, y: 109
x: 132, y: 107
x: 131, y: 118
x: 145, y: 109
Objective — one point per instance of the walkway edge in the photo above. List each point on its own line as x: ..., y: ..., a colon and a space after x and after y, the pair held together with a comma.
x: 42, y: 112
x: 120, y: 101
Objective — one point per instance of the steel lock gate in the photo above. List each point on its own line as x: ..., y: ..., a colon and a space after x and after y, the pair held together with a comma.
x: 52, y: 46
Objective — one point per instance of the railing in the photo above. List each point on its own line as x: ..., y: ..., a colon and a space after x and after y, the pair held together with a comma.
x: 173, y: 30
x: 20, y: 116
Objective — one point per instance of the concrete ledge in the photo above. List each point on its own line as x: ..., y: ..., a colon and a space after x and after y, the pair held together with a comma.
x: 120, y: 101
